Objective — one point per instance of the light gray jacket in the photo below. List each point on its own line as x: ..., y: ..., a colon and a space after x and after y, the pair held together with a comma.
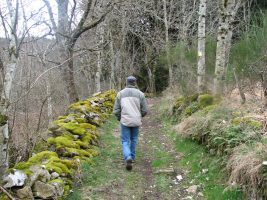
x: 130, y: 106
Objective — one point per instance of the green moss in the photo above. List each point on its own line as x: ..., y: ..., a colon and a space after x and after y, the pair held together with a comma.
x: 22, y: 165
x: 209, y: 108
x: 63, y: 141
x: 178, y: 103
x: 40, y: 146
x: 80, y: 120
x: 83, y: 145
x: 59, y: 167
x: 74, y: 128
x: 247, y: 121
x: 106, y: 100
x: 184, y: 102
x: 191, y: 98
x: 88, y: 137
x: 58, y: 180
x: 192, y: 108
x: 237, y: 113
x: 59, y: 121
x: 51, y: 161
x: 4, y: 197
x: 67, y: 190
x: 37, y: 159
x: 3, y: 120
x: 71, y: 152
x: 205, y: 100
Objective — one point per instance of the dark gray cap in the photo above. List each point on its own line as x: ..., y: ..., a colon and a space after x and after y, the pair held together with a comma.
x: 131, y: 80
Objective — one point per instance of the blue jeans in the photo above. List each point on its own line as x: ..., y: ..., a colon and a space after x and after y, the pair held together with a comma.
x: 129, y: 138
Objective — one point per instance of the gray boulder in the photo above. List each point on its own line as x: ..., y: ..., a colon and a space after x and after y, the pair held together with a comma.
x: 44, y: 190
x: 39, y: 173
x: 59, y: 188
x: 16, y: 178
x: 25, y: 193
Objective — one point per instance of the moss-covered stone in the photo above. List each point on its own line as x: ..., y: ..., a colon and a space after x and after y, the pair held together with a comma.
x: 50, y: 160
x: 178, y: 103
x: 247, y: 121
x: 192, y: 108
x: 73, y: 138
x: 67, y: 190
x: 63, y: 141
x: 186, y: 106
x: 72, y: 152
x: 191, y: 98
x: 209, y: 108
x: 205, y: 100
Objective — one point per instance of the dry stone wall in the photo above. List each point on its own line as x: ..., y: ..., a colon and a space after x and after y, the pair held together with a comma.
x: 51, y: 171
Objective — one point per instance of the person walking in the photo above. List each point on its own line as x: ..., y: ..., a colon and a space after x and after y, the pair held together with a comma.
x: 130, y: 106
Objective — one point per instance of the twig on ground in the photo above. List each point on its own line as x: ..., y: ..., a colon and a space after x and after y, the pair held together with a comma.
x: 7, y: 193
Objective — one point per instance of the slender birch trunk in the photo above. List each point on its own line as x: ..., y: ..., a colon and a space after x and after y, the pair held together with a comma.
x: 167, y: 43
x: 184, y: 28
x: 9, y: 73
x: 112, y: 72
x: 118, y: 65
x: 99, y: 59
x: 228, y: 10
x: 201, y: 46
x: 98, y: 73
x: 49, y: 101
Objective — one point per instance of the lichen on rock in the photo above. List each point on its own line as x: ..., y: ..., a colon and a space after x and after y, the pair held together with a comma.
x: 187, y: 105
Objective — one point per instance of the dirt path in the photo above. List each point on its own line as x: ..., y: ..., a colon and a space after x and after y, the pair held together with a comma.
x: 155, y: 153
x: 158, y: 158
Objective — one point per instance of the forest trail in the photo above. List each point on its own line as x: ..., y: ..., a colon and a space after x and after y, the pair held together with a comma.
x: 109, y: 180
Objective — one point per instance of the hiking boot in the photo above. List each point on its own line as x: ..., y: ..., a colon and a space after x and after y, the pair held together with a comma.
x: 129, y: 165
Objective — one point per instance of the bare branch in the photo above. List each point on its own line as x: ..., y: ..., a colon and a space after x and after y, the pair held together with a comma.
x: 72, y: 13
x: 4, y: 24
x: 79, y: 31
x: 51, y: 15
x: 7, y: 193
x: 41, y: 75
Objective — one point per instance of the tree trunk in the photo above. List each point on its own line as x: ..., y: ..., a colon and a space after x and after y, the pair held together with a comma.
x: 167, y: 45
x: 201, y: 46
x: 100, y: 32
x: 228, y: 11
x: 9, y: 73
x: 112, y: 72
x: 68, y: 78
x: 66, y: 51
x: 184, y: 27
x: 118, y: 65
x: 98, y: 73
x: 49, y: 102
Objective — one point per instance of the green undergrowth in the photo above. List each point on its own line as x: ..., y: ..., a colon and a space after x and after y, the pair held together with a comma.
x: 185, y: 106
x: 235, y: 136
x: 204, y: 170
